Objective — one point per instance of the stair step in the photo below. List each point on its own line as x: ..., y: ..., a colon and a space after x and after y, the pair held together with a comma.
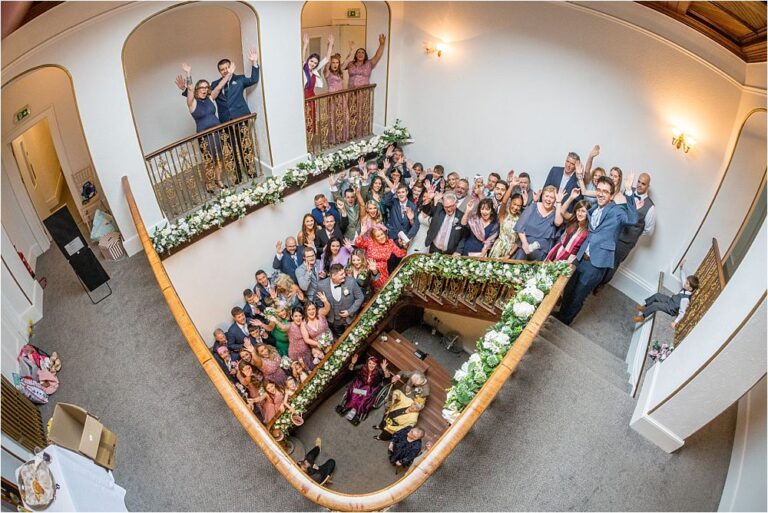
x: 587, y: 353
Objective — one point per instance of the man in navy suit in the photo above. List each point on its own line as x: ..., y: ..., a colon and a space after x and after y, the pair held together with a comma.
x: 237, y: 331
x: 597, y: 253
x: 565, y: 177
x: 286, y: 261
x: 264, y: 288
x: 322, y: 207
x: 402, y: 223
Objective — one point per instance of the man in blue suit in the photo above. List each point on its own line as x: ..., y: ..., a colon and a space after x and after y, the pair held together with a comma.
x: 402, y: 223
x: 565, y: 177
x: 286, y: 261
x: 596, y: 255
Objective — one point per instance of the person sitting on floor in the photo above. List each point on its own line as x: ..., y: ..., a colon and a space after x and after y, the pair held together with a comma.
x: 317, y: 473
x: 402, y: 412
x: 405, y: 446
x: 361, y: 392
x: 674, y: 305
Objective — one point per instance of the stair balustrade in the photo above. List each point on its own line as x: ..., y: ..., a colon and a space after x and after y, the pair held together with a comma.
x: 185, y: 173
x: 333, y: 119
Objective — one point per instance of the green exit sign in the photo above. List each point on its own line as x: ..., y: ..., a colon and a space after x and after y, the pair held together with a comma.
x: 23, y: 113
x: 353, y: 13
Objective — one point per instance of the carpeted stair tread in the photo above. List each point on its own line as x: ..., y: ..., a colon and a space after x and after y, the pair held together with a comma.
x: 577, y: 340
x: 586, y: 353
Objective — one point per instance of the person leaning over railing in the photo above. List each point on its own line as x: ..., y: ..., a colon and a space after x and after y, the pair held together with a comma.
x: 361, y: 67
x: 203, y: 111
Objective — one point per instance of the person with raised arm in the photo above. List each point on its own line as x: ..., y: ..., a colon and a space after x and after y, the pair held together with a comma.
x: 200, y: 104
x: 537, y: 226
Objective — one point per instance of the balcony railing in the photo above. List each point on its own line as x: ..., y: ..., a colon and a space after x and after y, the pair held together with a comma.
x: 332, y: 119
x: 185, y: 174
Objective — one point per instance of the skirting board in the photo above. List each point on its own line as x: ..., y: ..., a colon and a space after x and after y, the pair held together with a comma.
x: 633, y: 285
x: 647, y: 426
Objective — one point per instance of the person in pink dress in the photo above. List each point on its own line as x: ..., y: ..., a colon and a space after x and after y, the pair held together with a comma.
x: 361, y: 67
x: 317, y: 323
x: 359, y: 71
x: 379, y: 248
x: 334, y: 76
x: 265, y: 358
x: 272, y: 402
x: 300, y: 345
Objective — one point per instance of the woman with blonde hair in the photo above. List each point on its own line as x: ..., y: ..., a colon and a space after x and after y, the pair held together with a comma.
x: 364, y: 271
x: 266, y: 358
x: 288, y: 291
x: 537, y: 227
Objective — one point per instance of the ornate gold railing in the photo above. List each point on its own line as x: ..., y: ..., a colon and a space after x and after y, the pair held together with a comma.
x: 711, y: 284
x: 332, y: 119
x: 185, y: 173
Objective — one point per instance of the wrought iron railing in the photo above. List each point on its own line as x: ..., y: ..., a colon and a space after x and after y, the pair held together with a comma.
x: 332, y: 119
x: 186, y: 173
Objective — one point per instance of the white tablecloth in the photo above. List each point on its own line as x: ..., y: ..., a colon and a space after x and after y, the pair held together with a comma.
x: 81, y: 484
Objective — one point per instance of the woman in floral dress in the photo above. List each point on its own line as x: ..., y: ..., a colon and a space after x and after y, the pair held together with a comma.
x: 379, y: 248
x: 508, y: 217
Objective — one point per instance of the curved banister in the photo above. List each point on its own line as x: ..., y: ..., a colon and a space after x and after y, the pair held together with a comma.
x: 198, y: 135
x: 419, y: 472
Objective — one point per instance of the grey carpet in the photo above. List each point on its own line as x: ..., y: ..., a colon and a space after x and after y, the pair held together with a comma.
x: 606, y: 319
x: 556, y: 438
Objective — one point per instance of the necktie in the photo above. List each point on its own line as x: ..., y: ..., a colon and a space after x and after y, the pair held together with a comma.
x: 445, y: 231
x: 596, y: 215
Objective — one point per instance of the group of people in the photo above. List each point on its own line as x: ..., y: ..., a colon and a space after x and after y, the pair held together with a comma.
x: 228, y: 94
x: 377, y: 212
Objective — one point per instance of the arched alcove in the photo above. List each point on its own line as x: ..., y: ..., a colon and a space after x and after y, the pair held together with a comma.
x: 199, y: 34
x: 49, y: 135
x: 358, y: 22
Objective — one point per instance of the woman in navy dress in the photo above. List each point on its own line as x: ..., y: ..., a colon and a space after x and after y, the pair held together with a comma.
x: 483, y: 230
x: 537, y: 227
x: 200, y: 101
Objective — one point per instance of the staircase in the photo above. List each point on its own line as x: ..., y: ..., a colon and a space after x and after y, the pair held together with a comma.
x: 589, y: 355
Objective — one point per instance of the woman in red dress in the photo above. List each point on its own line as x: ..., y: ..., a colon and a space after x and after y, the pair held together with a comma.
x: 379, y: 248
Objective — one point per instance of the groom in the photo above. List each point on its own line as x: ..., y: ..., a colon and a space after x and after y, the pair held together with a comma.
x: 345, y: 297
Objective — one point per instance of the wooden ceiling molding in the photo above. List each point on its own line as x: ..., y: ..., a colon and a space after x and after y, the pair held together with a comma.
x: 738, y: 26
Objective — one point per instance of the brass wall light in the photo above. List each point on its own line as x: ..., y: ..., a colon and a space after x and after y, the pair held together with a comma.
x: 681, y: 140
x: 435, y: 49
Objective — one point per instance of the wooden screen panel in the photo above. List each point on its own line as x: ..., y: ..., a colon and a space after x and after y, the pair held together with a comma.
x: 711, y: 284
x: 21, y: 419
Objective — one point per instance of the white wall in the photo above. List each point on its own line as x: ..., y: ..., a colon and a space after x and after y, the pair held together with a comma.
x: 225, y: 262
x: 16, y: 224
x: 739, y: 183
x: 534, y: 80
x: 745, y: 486
x: 718, y: 362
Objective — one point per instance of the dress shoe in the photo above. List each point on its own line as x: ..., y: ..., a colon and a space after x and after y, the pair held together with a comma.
x: 638, y: 318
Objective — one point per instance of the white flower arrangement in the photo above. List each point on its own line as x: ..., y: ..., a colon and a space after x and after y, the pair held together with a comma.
x: 491, y: 349
x: 234, y: 204
x: 523, y: 309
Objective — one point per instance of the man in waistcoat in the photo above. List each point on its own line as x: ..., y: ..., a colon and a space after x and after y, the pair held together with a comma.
x: 630, y: 234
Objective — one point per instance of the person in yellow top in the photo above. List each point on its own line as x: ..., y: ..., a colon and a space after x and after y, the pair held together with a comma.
x: 402, y: 412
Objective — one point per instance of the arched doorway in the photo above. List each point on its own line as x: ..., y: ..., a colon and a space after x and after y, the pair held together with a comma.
x: 152, y: 58
x: 46, y: 160
x: 355, y: 23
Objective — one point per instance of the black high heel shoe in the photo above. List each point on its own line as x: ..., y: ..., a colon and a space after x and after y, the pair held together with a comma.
x: 222, y: 185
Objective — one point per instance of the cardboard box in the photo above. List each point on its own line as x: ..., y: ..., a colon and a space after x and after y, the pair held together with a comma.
x: 77, y: 430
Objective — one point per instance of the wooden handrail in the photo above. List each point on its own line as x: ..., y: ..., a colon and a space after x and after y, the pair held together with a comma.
x: 417, y: 475
x: 338, y: 93
x: 198, y: 135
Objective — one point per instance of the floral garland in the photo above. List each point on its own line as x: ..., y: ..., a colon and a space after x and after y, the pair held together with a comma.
x: 493, y: 346
x: 448, y: 267
x: 660, y: 352
x: 234, y: 204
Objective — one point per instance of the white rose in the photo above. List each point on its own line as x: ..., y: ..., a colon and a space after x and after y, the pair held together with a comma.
x: 450, y: 415
x: 475, y: 358
x: 535, y: 293
x: 523, y: 310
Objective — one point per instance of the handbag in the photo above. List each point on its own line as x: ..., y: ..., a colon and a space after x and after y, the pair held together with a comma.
x: 33, y: 390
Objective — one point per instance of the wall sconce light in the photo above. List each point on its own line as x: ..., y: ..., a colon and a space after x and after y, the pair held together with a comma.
x: 681, y: 140
x: 435, y: 49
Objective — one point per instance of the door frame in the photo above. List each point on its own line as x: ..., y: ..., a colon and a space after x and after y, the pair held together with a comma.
x: 36, y: 226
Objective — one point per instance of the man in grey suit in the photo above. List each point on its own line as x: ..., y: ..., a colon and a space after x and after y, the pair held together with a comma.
x: 345, y: 297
